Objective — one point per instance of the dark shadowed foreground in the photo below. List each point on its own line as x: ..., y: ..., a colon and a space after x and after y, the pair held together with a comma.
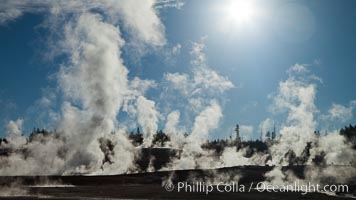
x: 148, y: 186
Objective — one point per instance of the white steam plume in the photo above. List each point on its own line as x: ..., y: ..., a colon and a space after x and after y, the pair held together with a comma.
x: 202, y: 94
x: 14, y: 128
x: 148, y: 118
x: 171, y: 129
x: 295, y: 96
x: 207, y: 120
x: 93, y: 80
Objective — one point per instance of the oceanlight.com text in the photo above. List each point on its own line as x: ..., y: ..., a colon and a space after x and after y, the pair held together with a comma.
x: 221, y: 187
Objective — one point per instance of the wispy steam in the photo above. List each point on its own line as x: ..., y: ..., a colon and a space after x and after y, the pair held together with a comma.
x: 94, y: 85
x: 173, y: 131
x: 207, y: 120
x: 147, y: 118
x: 296, y: 96
x: 202, y: 91
x: 93, y: 81
x: 339, y: 112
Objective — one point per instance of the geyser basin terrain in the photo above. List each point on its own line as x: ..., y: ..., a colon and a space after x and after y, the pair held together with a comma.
x: 153, y: 96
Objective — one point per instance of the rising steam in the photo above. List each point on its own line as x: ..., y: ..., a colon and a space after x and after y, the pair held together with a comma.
x: 96, y: 89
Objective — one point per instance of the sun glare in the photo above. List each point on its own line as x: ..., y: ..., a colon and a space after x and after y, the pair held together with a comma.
x: 240, y: 11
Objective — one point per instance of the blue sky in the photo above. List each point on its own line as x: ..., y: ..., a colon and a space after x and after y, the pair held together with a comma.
x: 254, y: 55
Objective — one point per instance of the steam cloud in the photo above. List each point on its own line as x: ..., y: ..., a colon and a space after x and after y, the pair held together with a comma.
x: 96, y: 88
x: 93, y: 81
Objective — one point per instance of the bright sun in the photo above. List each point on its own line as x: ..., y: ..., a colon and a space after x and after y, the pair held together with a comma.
x: 241, y: 11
